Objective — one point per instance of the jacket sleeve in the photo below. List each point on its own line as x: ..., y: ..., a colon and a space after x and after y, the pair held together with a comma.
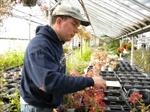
x: 44, y: 70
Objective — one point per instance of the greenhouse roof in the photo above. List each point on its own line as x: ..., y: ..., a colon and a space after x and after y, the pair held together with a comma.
x: 115, y: 18
x: 112, y: 19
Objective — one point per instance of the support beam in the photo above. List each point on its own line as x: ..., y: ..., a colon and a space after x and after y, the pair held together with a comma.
x: 132, y: 50
x: 140, y: 5
x: 139, y: 31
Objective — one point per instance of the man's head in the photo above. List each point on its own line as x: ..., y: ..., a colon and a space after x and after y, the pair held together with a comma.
x: 68, y: 10
x: 66, y: 20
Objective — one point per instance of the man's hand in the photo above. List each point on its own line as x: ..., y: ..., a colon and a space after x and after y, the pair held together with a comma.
x: 100, y: 82
x: 41, y: 88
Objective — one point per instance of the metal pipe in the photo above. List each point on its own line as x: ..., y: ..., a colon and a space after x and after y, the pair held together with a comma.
x: 29, y: 27
x: 132, y: 50
x: 139, y: 31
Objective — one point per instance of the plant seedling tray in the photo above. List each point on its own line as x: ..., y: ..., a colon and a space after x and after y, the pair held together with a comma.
x: 130, y: 85
x: 117, y: 106
x: 145, y: 81
x: 112, y: 96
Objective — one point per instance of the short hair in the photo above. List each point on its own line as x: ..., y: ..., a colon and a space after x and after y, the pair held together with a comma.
x: 53, y: 19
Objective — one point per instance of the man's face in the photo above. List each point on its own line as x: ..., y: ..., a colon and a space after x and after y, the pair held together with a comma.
x: 68, y: 28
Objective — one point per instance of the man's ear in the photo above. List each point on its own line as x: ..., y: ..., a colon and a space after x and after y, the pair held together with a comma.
x: 58, y: 21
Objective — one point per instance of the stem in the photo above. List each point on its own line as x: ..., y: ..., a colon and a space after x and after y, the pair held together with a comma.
x: 139, y: 102
x: 147, y: 106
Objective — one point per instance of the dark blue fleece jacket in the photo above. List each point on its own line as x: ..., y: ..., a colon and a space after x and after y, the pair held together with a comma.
x: 45, y: 65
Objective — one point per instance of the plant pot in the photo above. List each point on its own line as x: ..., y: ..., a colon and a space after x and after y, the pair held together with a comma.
x: 70, y: 109
x: 146, y: 94
x: 130, y: 91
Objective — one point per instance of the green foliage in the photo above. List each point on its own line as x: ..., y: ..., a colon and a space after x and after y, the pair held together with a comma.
x: 7, y: 60
x: 1, y: 101
x: 66, y: 49
x: 142, y: 59
x: 76, y: 65
x: 2, y: 61
x: 11, y: 59
x: 78, y: 61
x: 83, y: 54
x: 15, y: 101
x: 112, y: 47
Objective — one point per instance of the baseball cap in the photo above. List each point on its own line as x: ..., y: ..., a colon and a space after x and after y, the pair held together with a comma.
x: 68, y: 10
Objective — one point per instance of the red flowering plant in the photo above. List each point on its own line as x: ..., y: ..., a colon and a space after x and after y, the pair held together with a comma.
x: 91, y: 98
x: 137, y: 102
x: 71, y: 100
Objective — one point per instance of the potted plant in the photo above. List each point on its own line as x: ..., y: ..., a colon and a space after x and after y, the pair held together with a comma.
x: 137, y: 103
x: 125, y: 47
x: 93, y: 99
x: 71, y: 101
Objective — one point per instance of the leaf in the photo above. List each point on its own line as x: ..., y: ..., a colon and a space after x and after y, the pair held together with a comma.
x: 1, y: 103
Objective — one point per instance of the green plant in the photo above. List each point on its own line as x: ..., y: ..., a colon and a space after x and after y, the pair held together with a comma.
x: 142, y: 59
x: 1, y: 101
x: 112, y: 47
x: 78, y: 61
x: 66, y: 50
x: 3, y: 82
x: 77, y: 65
x: 15, y: 101
x: 2, y: 62
x: 83, y: 54
x: 11, y: 59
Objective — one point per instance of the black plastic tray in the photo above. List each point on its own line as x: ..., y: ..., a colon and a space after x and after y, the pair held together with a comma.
x: 117, y: 106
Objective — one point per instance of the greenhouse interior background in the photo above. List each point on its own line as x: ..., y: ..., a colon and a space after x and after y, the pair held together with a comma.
x: 119, y: 29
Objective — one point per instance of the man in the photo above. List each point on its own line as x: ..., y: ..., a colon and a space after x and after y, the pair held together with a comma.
x: 44, y: 81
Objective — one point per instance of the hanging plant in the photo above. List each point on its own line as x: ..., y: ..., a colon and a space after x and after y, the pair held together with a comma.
x: 82, y: 33
x: 125, y: 47
x: 29, y: 3
x: 5, y: 9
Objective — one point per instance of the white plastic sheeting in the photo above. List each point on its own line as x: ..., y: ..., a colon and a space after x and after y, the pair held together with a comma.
x: 109, y: 18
